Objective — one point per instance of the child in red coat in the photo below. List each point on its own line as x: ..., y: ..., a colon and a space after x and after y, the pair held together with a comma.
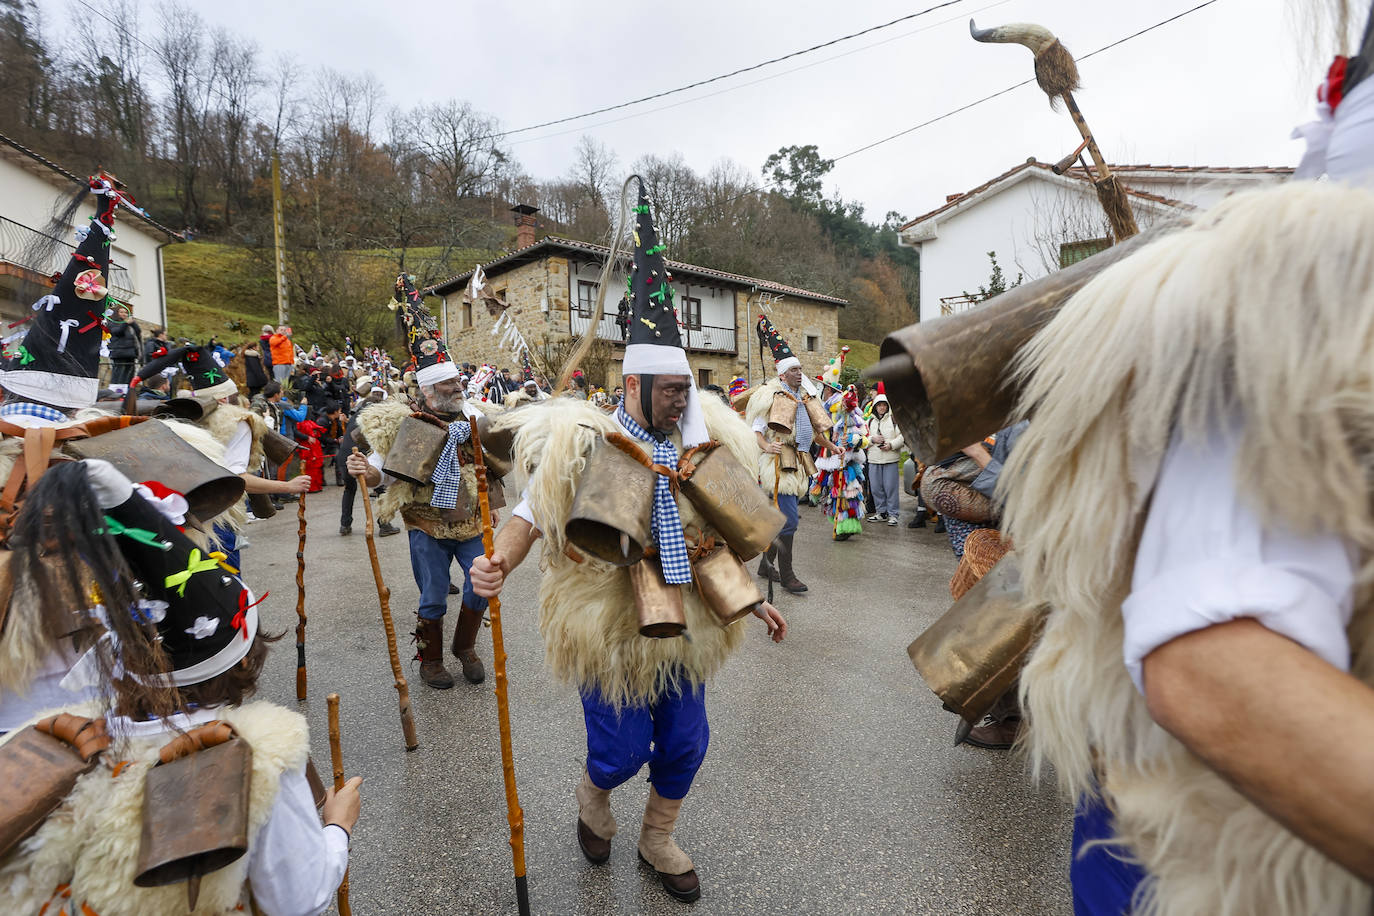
x: 308, y: 434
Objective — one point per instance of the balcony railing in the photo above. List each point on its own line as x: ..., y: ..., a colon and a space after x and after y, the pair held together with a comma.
x: 707, y: 337
x: 18, y: 242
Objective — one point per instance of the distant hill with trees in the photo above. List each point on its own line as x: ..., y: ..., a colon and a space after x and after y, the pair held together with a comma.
x: 189, y: 118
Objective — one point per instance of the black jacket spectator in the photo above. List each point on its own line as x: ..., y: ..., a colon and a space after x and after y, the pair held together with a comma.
x: 124, y: 340
x: 153, y: 344
x: 254, y: 372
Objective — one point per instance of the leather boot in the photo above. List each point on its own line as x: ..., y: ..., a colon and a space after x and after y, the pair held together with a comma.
x: 464, y: 638
x: 595, y: 822
x: 429, y: 645
x: 789, y: 579
x: 657, y: 848
x: 766, y: 568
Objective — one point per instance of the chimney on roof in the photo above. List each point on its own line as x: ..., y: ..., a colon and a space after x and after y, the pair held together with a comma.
x: 524, y: 225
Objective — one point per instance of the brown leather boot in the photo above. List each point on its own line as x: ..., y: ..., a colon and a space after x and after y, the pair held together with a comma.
x: 657, y: 848
x: 994, y: 735
x: 595, y: 822
x: 429, y: 645
x: 464, y: 638
x: 766, y: 568
x: 789, y: 579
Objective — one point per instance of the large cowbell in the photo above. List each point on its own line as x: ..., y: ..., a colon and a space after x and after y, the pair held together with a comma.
x: 415, y: 453
x: 611, y: 517
x: 730, y: 499
x: 195, y: 815
x: 151, y: 451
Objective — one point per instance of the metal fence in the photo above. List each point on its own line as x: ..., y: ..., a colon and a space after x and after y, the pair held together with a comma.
x: 707, y: 337
x: 18, y: 242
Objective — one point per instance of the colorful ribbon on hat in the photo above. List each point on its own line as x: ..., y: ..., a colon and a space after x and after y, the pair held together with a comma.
x: 142, y: 535
x: 195, y: 564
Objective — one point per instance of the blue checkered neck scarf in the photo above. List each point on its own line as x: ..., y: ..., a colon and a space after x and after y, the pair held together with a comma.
x: 802, y: 428
x: 29, y: 409
x: 667, y: 524
x: 448, y: 473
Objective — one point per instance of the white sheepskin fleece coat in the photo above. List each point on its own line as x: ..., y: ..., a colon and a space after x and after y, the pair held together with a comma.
x: 91, y: 842
x: 1261, y: 313
x: 793, y: 483
x: 587, y: 616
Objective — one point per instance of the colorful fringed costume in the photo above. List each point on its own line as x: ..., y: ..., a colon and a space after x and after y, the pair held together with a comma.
x: 839, y: 481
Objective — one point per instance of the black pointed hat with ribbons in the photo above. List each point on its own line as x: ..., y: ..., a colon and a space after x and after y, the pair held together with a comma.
x: 58, y: 361
x: 421, y: 334
x: 202, y: 365
x: 783, y: 357
x: 654, y: 344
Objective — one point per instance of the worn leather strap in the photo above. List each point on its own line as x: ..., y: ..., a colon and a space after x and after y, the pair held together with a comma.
x: 687, y: 464
x: 87, y: 736
x: 209, y: 735
x: 38, y: 445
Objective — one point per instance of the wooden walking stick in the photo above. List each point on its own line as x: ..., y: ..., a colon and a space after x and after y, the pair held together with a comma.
x: 384, y: 599
x: 300, y: 602
x: 777, y: 479
x: 514, y: 813
x: 336, y: 756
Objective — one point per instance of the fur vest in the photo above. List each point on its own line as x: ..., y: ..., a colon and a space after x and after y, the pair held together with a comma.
x: 1262, y: 312
x: 586, y: 616
x: 223, y: 422
x: 380, y: 424
x: 91, y: 842
x: 793, y: 483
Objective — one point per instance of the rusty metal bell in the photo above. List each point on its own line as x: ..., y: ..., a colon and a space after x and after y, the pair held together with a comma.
x: 192, y: 408
x: 497, y: 443
x: 787, y: 458
x: 611, y: 514
x: 151, y: 451
x: 658, y: 604
x: 277, y: 448
x: 821, y: 421
x: 807, y: 464
x: 725, y: 585
x: 195, y: 816
x: 729, y: 497
x: 415, y: 453
x: 783, y: 414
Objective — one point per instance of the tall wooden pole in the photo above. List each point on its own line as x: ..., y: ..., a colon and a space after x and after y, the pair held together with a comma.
x: 384, y: 599
x: 515, y: 815
x: 279, y: 231
x: 336, y: 758
x: 300, y: 600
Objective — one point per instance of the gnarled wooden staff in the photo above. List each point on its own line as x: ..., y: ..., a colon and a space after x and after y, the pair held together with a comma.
x: 336, y: 757
x: 514, y: 813
x: 1056, y: 73
x: 300, y: 601
x: 384, y: 599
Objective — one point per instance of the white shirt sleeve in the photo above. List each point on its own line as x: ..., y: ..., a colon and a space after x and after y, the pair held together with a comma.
x: 297, y: 864
x: 522, y: 510
x: 377, y: 461
x: 1205, y: 559
x: 239, y: 448
x: 760, y: 425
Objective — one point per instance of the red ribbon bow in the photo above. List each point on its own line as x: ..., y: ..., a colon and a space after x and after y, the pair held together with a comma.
x: 1333, y: 89
x: 240, y: 620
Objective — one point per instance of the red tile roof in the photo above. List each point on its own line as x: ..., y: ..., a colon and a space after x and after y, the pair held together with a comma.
x: 553, y: 243
x: 953, y: 200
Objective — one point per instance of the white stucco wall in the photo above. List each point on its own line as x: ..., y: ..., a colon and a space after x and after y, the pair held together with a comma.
x: 717, y: 305
x: 1026, y: 219
x: 28, y: 199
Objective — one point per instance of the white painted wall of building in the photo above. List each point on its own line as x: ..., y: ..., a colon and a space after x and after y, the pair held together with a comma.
x: 29, y: 200
x: 1023, y: 221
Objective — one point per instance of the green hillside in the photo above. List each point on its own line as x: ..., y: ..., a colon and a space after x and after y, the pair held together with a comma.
x: 213, y: 288
x: 861, y: 354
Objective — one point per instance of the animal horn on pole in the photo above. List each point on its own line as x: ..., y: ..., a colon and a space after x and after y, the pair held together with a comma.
x: 1055, y: 70
x: 951, y: 381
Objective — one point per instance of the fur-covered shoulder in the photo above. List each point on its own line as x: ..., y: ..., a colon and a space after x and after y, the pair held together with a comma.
x: 380, y: 423
x: 552, y: 442
x: 761, y: 401
x: 729, y: 429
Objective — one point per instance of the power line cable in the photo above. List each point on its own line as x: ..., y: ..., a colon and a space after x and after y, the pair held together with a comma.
x: 723, y: 76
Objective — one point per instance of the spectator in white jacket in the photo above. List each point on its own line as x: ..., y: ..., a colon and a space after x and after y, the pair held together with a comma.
x: 884, y: 461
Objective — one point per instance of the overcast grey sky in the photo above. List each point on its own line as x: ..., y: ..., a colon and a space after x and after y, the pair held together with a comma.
x: 1222, y: 86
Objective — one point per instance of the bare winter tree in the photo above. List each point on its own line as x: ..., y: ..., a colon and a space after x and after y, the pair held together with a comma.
x: 676, y: 193
x: 111, y: 64
x: 593, y: 173
x: 1066, y: 216
x: 180, y: 52
x: 236, y: 61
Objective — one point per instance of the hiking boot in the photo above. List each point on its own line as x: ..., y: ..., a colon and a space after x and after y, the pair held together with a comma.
x: 464, y: 639
x: 386, y: 529
x: 345, y: 530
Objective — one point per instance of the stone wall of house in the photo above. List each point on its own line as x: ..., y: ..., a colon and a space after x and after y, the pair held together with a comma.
x: 527, y: 287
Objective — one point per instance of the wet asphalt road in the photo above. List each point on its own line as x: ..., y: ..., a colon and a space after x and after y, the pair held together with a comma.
x: 831, y: 785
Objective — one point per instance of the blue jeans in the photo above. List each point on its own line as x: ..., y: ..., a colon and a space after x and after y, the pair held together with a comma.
x: 670, y: 735
x: 229, y: 543
x: 1103, y: 882
x: 430, y: 560
x: 788, y: 506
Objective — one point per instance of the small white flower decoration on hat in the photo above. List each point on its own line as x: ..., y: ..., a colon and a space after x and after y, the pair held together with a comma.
x: 203, y: 627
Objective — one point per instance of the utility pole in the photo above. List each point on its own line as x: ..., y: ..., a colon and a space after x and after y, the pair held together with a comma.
x: 279, y: 230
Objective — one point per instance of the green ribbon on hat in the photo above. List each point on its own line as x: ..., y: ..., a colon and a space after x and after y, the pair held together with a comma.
x: 142, y: 535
